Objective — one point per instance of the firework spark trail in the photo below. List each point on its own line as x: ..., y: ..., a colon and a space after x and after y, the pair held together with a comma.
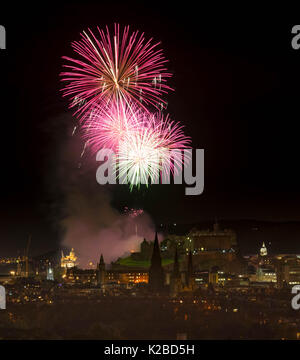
x: 73, y: 132
x: 115, y: 67
x: 107, y: 127
x: 139, y: 158
x: 172, y: 141
x: 156, y: 148
x: 84, y: 147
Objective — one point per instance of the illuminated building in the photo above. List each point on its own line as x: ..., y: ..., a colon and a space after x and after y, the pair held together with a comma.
x: 213, y: 276
x: 263, y: 250
x: 266, y: 274
x: 216, y: 247
x: 74, y: 275
x: 135, y: 276
x: 288, y: 270
x: 50, y: 275
x: 91, y: 277
x: 201, y: 277
x: 68, y: 261
x: 216, y: 240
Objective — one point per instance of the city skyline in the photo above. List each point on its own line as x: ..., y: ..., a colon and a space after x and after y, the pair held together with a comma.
x: 81, y: 259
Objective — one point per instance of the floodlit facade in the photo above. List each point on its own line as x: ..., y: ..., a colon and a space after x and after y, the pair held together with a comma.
x: 68, y: 261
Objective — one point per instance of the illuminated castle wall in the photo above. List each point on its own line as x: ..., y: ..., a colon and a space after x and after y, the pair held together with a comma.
x: 215, y: 240
x: 68, y: 261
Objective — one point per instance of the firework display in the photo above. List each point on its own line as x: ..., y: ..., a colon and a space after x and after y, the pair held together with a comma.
x: 152, y: 151
x: 106, y: 127
x: 112, y: 68
x: 112, y: 88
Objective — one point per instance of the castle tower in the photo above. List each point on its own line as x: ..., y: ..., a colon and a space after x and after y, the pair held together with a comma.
x: 101, y: 272
x: 156, y: 274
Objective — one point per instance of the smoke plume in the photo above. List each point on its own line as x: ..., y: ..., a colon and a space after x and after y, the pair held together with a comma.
x: 91, y: 225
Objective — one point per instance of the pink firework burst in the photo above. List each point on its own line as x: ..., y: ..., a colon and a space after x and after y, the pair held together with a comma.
x: 107, y: 127
x: 170, y: 132
x: 112, y: 68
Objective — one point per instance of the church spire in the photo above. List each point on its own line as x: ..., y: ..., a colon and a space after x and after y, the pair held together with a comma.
x: 156, y: 258
x: 101, y: 262
x: 156, y: 275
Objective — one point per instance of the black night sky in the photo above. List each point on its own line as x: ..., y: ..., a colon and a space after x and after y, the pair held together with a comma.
x: 237, y: 86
